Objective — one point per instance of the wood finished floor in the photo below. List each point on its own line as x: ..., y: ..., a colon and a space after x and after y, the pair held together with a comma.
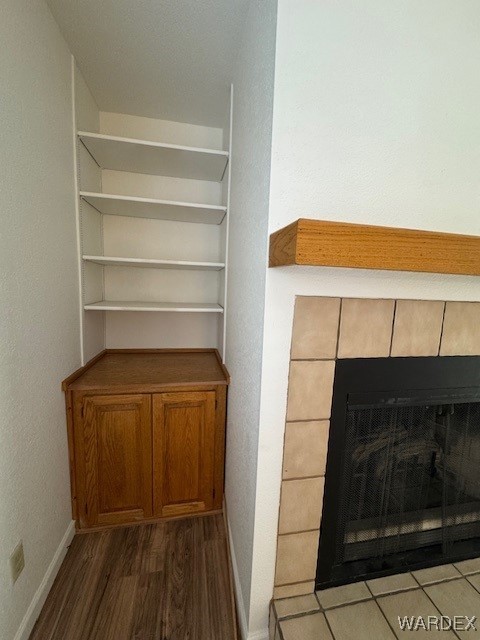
x: 166, y: 581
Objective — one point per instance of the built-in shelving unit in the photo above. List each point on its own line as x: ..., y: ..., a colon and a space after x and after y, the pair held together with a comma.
x: 178, y: 307
x: 137, y: 207
x: 152, y: 229
x: 143, y: 156
x: 155, y: 264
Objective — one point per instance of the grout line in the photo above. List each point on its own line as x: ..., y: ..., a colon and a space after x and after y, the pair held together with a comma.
x: 294, y: 533
x: 345, y: 604
x: 411, y: 573
x: 386, y: 619
x: 338, y: 328
x: 308, y: 420
x: 303, y: 478
x: 441, y: 330
x: 433, y: 603
x: 393, y: 327
x: 467, y: 579
x: 300, y: 614
x: 328, y: 625
x: 312, y: 360
x: 376, y: 598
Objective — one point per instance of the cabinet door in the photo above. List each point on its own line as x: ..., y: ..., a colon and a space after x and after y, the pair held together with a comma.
x: 117, y: 458
x: 183, y: 452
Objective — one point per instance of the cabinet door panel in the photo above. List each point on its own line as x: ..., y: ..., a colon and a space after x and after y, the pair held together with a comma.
x: 183, y: 452
x: 118, y: 454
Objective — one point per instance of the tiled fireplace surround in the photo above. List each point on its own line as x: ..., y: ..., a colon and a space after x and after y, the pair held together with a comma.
x: 324, y: 330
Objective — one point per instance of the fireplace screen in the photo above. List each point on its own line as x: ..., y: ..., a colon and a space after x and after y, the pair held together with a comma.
x: 406, y: 482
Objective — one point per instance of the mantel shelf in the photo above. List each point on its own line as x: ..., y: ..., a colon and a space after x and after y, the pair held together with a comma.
x: 338, y: 244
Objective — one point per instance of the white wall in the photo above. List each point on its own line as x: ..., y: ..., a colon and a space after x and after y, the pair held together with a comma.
x: 250, y: 166
x: 167, y: 131
x: 148, y: 238
x: 375, y: 121
x: 39, y: 317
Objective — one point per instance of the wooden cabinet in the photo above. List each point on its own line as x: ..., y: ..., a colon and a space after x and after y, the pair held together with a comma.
x: 184, y: 448
x: 116, y: 438
x: 144, y: 444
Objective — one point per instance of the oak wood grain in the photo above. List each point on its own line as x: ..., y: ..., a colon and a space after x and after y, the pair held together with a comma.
x: 71, y: 452
x: 220, y: 438
x: 118, y: 458
x: 149, y: 371
x: 76, y: 374
x: 144, y: 582
x: 183, y: 452
x: 338, y: 244
x: 111, y: 427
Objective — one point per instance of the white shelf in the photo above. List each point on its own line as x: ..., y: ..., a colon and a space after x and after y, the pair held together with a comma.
x: 156, y: 158
x: 147, y: 263
x: 136, y: 207
x: 182, y: 307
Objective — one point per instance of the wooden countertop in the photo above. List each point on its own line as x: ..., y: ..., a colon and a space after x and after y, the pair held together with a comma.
x: 148, y: 370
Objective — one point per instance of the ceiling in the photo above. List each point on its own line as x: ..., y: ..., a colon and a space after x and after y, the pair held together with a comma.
x: 168, y: 59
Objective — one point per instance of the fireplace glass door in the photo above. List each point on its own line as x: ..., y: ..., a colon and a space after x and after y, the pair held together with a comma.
x: 406, y: 482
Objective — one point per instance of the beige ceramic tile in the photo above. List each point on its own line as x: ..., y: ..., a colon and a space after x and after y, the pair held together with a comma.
x: 363, y: 621
x: 315, y: 328
x: 456, y: 598
x: 392, y: 584
x: 410, y: 604
x: 365, y: 328
x: 296, y: 606
x: 296, y: 557
x: 474, y: 580
x: 305, y: 452
x: 436, y: 574
x: 312, y: 627
x: 301, y: 505
x: 310, y: 390
x: 466, y: 567
x: 348, y: 593
x: 417, y: 328
x: 461, y: 329
x: 291, y: 590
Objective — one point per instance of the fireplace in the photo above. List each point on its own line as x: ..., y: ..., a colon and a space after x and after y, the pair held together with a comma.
x: 402, y: 487
x: 403, y: 363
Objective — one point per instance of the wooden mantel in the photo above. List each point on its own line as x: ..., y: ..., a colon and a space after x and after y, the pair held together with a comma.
x: 339, y: 244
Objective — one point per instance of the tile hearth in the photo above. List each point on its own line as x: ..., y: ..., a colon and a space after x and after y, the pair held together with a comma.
x: 370, y: 610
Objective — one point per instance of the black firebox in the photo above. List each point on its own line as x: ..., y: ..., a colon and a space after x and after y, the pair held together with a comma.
x: 402, y: 487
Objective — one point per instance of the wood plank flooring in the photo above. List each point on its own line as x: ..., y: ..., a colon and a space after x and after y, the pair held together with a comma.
x: 165, y: 581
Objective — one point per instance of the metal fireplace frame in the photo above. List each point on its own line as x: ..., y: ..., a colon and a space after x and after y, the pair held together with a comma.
x: 440, y: 380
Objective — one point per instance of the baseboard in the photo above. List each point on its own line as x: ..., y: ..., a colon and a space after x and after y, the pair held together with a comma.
x: 242, y: 618
x: 38, y: 600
